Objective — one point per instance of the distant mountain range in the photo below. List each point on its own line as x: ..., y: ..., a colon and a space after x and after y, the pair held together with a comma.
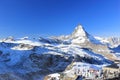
x: 34, y: 59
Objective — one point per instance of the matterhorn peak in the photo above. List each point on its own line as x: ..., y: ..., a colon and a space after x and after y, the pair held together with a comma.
x: 79, y: 27
x: 79, y: 32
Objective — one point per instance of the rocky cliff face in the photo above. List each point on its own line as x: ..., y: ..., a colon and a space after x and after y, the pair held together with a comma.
x: 114, y: 41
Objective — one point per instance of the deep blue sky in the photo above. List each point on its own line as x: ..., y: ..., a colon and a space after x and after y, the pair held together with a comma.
x: 56, y: 17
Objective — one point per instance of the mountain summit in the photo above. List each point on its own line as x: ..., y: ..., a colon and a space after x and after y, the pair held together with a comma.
x: 79, y: 32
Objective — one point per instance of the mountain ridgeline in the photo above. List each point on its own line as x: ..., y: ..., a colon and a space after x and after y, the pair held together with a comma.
x: 35, y: 59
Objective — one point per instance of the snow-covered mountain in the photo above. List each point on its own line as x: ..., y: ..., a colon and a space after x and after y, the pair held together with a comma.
x: 33, y: 59
x: 79, y: 35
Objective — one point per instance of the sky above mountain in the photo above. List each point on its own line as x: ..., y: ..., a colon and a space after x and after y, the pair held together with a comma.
x: 57, y: 17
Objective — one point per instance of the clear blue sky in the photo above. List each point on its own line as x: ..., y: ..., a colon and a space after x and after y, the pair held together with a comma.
x: 56, y: 17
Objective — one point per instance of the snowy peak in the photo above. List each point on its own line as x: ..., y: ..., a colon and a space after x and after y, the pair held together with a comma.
x: 80, y: 35
x: 79, y: 32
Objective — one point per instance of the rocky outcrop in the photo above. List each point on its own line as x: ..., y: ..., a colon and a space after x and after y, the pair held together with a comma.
x: 114, y: 41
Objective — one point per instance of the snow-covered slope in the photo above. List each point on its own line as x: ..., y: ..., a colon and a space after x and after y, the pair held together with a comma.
x: 32, y: 59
